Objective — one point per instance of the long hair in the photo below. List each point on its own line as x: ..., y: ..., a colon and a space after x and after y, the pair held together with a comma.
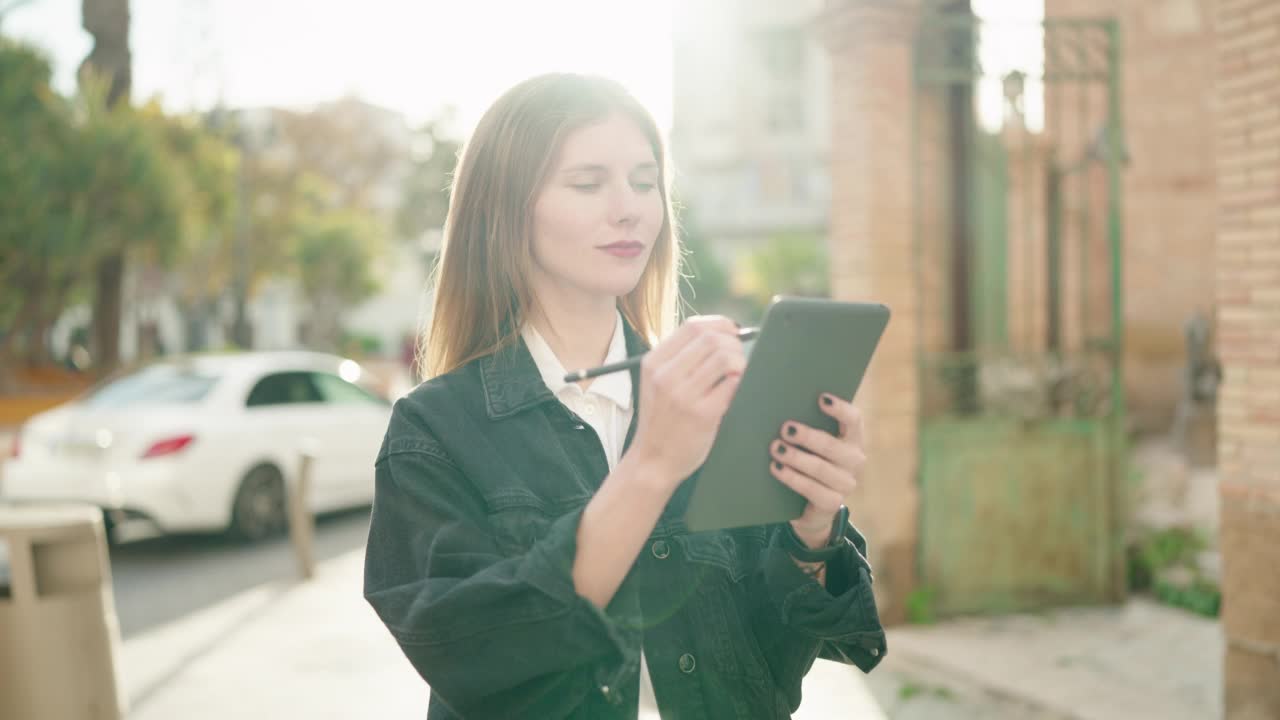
x: 482, y: 288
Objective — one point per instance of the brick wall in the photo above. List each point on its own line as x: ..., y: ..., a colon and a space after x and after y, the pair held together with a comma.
x: 1167, y: 83
x: 871, y: 256
x: 1247, y: 142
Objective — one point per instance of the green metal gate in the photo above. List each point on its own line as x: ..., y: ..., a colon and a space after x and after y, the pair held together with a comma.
x: 1017, y: 231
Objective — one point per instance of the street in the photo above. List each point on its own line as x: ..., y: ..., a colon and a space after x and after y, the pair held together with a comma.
x: 159, y: 580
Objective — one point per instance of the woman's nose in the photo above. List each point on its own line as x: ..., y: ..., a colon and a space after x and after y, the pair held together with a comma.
x: 624, y: 204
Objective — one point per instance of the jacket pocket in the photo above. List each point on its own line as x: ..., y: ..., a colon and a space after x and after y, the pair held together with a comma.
x: 519, y: 519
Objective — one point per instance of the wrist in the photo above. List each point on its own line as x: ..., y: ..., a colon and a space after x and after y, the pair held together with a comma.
x: 814, y: 537
x: 653, y: 467
x: 811, y: 547
x: 649, y: 473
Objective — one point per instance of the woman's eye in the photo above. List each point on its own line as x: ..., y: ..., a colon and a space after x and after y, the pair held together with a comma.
x: 586, y: 187
x: 642, y: 187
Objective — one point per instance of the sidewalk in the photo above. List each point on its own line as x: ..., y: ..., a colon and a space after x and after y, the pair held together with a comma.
x: 316, y: 650
x: 1138, y: 661
x: 285, y: 650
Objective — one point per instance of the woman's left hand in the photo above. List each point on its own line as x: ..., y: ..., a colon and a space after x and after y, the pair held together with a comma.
x: 822, y: 467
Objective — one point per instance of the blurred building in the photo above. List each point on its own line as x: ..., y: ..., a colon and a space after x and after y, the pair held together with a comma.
x: 1168, y: 83
x: 1044, y: 277
x: 750, y: 134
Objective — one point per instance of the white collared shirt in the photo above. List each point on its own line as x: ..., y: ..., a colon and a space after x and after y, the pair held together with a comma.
x: 606, y: 405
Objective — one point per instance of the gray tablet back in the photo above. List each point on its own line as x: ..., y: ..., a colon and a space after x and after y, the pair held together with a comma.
x: 806, y: 347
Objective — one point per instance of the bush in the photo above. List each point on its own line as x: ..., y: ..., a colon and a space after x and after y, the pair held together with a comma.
x: 1165, y: 563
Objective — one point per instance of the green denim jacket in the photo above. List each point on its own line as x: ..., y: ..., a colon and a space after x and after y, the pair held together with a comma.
x: 480, y: 485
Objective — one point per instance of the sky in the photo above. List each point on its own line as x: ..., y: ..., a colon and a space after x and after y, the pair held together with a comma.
x: 419, y: 56
x: 414, y: 57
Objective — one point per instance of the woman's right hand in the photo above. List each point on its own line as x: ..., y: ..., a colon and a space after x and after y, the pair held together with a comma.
x: 686, y: 384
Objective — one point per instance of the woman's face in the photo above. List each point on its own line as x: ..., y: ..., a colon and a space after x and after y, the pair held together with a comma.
x: 599, y: 212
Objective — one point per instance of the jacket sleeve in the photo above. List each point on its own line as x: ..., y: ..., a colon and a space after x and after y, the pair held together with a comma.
x: 493, y: 634
x: 797, y: 620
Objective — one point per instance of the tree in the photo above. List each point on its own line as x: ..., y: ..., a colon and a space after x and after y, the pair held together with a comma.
x: 83, y: 182
x: 206, y: 167
x: 38, y: 222
x: 296, y: 168
x: 790, y: 264
x: 131, y: 195
x: 335, y: 254
x: 424, y: 202
x: 108, y: 22
x: 347, y: 144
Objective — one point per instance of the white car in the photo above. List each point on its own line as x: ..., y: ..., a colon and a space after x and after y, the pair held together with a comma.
x: 207, y: 442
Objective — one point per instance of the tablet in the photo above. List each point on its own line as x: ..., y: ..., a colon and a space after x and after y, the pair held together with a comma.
x: 805, y: 347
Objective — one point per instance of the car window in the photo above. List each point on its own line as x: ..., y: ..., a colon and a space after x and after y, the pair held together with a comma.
x: 336, y: 390
x: 286, y: 388
x: 153, y: 385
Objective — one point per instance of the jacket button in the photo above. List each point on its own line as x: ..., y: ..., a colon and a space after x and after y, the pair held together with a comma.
x: 661, y: 550
x: 875, y: 652
x: 687, y: 663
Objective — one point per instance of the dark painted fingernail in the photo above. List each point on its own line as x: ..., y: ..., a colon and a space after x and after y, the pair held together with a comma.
x: 777, y: 465
x: 781, y: 448
x: 791, y: 431
x: 826, y: 400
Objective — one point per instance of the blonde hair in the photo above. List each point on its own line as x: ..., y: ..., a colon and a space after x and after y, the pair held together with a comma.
x: 482, y: 290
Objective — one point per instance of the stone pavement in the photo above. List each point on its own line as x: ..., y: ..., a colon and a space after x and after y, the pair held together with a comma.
x: 285, y: 650
x: 315, y: 650
x: 1138, y: 661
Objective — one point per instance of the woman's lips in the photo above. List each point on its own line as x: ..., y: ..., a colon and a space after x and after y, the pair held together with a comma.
x: 624, y: 249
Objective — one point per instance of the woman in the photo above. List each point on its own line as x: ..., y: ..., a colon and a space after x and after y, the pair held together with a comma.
x: 526, y: 549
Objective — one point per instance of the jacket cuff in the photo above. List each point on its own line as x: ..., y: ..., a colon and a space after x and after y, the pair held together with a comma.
x: 843, y: 613
x: 549, y: 568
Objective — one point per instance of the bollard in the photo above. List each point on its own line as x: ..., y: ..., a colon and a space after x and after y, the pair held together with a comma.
x: 59, y: 636
x: 301, y: 522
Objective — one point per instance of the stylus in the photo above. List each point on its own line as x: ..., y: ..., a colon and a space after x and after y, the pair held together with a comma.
x: 744, y: 335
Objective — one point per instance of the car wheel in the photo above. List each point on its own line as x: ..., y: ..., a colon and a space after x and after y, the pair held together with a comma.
x: 259, y: 511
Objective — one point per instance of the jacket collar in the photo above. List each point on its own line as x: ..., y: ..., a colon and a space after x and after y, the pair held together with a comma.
x: 512, y: 382
x: 615, y: 387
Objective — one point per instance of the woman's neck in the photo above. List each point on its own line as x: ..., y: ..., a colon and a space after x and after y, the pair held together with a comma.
x: 578, y: 330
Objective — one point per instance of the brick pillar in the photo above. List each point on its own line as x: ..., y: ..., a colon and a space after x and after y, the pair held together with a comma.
x: 872, y: 259
x: 1248, y: 290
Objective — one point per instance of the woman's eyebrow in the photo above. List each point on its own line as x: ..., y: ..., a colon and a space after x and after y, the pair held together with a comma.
x: 585, y: 167
x: 594, y: 167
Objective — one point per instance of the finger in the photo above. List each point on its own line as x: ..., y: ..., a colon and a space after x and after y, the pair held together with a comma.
x: 722, y: 394
x: 838, y: 478
x: 727, y: 359
x: 671, y: 346
x: 848, y: 414
x: 821, y: 497
x: 820, y: 442
x: 716, y: 323
x: 692, y: 334
x: 692, y: 356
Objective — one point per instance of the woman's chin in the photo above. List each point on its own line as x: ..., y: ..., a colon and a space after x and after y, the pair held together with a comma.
x: 613, y: 284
